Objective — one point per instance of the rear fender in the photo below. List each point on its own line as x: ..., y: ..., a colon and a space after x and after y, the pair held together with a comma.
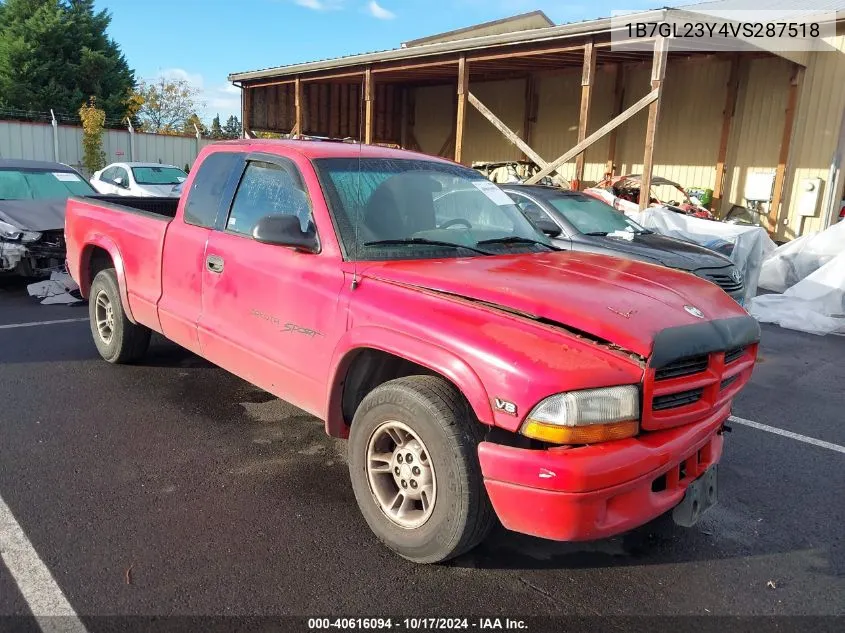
x: 429, y: 355
x: 83, y: 274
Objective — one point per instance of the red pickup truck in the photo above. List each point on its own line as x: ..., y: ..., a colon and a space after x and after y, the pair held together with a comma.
x: 407, y: 302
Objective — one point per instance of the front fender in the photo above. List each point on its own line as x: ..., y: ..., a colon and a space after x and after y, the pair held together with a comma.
x: 82, y: 273
x: 425, y: 353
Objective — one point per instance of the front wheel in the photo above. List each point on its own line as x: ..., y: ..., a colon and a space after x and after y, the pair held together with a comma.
x: 117, y: 339
x: 414, y: 469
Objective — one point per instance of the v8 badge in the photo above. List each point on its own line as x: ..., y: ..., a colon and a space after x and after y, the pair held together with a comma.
x: 504, y: 406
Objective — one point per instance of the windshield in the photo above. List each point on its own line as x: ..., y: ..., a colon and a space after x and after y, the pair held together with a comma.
x: 387, y: 208
x: 33, y: 184
x: 592, y: 216
x: 158, y: 175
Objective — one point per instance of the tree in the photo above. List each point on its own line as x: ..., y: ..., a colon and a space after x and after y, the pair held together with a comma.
x: 56, y: 53
x: 166, y: 105
x: 192, y: 121
x: 216, y: 131
x: 233, y: 128
x: 93, y: 118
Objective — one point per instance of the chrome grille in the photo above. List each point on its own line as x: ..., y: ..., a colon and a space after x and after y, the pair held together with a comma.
x: 722, y: 278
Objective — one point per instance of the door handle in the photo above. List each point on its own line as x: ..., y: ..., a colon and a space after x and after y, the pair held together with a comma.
x: 214, y: 264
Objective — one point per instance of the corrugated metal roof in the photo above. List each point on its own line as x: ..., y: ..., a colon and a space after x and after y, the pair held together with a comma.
x: 535, y: 35
x: 768, y: 5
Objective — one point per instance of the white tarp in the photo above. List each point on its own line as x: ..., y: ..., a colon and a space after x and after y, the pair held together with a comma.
x: 59, y: 289
x: 798, y: 259
x: 810, y: 271
x: 746, y: 246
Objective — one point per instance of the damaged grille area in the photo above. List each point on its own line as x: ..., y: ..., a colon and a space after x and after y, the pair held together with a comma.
x: 722, y: 279
x: 683, y: 367
x: 674, y: 400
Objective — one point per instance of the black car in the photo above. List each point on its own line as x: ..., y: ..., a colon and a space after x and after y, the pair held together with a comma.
x: 579, y: 222
x: 32, y: 214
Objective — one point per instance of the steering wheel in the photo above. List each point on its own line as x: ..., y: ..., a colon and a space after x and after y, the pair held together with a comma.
x: 456, y: 222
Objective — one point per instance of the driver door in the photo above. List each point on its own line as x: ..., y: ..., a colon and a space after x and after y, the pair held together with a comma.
x: 270, y: 314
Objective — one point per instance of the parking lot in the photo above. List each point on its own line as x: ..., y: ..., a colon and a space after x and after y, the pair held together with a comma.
x: 174, y: 488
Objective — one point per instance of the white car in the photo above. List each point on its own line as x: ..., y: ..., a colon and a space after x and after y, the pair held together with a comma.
x: 138, y: 179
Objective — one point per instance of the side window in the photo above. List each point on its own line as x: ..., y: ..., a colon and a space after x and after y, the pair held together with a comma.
x: 208, y: 187
x: 529, y: 208
x: 108, y: 175
x: 268, y: 189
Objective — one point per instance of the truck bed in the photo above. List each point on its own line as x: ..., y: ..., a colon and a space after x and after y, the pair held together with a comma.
x: 155, y: 206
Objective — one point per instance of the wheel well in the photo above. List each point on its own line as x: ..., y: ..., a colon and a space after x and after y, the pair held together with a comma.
x: 98, y: 259
x: 369, y: 369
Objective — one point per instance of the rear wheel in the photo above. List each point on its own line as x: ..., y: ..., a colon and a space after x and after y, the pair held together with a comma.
x: 117, y: 339
x: 414, y: 469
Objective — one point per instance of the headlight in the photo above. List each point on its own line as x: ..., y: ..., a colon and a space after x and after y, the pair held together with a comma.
x: 585, y: 417
x: 9, y: 232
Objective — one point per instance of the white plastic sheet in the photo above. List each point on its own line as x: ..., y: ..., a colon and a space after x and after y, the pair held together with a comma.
x: 746, y: 246
x: 59, y: 289
x: 798, y: 259
x: 810, y: 271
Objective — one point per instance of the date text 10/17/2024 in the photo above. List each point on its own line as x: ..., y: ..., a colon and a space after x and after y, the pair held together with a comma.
x: 417, y: 624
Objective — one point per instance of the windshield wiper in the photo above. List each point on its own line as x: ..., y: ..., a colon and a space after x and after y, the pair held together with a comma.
x: 426, y: 242
x: 516, y: 239
x: 597, y: 233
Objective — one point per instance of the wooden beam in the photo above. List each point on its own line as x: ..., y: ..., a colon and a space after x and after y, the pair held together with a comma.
x: 246, y: 119
x: 368, y: 106
x: 403, y: 124
x: 463, y: 88
x: 785, y: 142
x: 727, y: 120
x: 588, y: 76
x: 509, y: 134
x: 658, y: 72
x: 618, y: 104
x: 592, y: 138
x: 530, y: 117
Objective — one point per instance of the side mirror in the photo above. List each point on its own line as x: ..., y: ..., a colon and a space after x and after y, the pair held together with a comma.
x: 548, y: 227
x: 119, y: 181
x: 286, y: 230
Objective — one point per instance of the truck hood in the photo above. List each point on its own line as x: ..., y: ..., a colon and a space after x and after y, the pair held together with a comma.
x: 658, y: 249
x: 622, y: 302
x: 34, y: 215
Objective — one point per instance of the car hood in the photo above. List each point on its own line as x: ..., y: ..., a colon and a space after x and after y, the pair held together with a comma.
x: 659, y: 249
x: 619, y: 301
x: 34, y: 215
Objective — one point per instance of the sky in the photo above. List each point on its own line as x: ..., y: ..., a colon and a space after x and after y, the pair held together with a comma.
x: 205, y: 40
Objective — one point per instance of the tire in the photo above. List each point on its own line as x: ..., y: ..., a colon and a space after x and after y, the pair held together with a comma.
x: 440, y: 428
x: 121, y: 341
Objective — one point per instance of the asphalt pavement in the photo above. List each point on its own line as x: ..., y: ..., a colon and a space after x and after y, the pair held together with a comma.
x: 174, y: 488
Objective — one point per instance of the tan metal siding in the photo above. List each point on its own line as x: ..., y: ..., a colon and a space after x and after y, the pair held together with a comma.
x: 434, y: 116
x: 758, y: 126
x: 483, y: 142
x: 687, y: 142
x: 821, y: 103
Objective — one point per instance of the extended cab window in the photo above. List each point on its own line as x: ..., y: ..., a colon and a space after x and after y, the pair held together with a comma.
x: 208, y: 187
x: 268, y: 189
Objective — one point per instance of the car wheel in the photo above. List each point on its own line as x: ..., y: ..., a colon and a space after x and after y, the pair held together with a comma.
x: 117, y: 339
x: 414, y: 468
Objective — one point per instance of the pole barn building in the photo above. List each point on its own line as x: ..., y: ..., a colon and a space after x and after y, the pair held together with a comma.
x: 563, y: 97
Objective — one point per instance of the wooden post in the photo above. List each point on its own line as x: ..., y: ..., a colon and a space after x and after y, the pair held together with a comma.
x: 530, y: 111
x: 618, y: 103
x: 463, y: 86
x: 403, y: 125
x: 658, y: 72
x: 588, y: 75
x: 785, y: 142
x: 246, y: 120
x: 297, y: 108
x: 727, y: 120
x: 368, y: 105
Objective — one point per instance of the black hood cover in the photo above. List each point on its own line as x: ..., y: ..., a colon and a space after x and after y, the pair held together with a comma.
x: 656, y: 249
x: 34, y: 215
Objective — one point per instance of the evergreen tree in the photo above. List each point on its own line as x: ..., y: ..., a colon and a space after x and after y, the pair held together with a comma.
x: 56, y: 54
x: 233, y: 128
x: 216, y: 129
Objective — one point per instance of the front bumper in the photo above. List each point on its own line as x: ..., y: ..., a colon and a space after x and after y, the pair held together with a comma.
x: 592, y: 492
